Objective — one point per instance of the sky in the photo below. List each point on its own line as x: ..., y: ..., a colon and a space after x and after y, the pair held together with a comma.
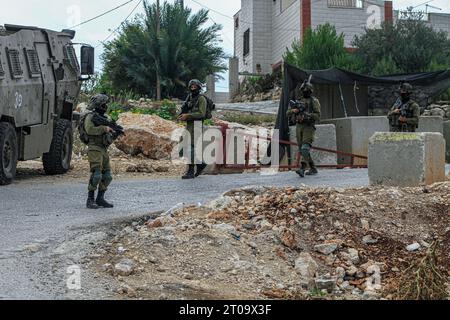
x: 57, y: 15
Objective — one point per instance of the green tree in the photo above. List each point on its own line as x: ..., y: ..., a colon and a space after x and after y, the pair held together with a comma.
x: 322, y: 48
x: 407, y: 46
x: 184, y: 49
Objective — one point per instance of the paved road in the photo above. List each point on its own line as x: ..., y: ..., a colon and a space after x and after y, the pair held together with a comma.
x: 264, y: 107
x: 48, y: 215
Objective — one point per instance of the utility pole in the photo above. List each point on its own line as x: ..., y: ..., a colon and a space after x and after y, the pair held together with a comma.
x: 158, y: 27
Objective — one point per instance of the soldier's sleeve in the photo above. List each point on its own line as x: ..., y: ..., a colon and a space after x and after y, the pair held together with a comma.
x: 289, y: 111
x: 91, y: 129
x: 201, y: 114
x: 415, y: 118
x: 391, y: 112
x: 316, y: 110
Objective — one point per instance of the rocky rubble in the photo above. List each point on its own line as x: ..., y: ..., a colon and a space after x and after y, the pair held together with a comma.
x: 148, y: 135
x: 438, y: 110
x: 286, y: 243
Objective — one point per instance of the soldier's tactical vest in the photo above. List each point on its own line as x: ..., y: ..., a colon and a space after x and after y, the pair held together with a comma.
x: 309, y: 102
x: 409, y: 113
x: 97, y: 141
x: 193, y: 104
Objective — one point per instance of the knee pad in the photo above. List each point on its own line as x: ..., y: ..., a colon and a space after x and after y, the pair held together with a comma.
x: 305, y: 149
x: 107, y: 177
x: 96, y: 177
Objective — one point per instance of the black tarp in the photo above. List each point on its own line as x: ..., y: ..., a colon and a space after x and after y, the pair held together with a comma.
x: 433, y: 83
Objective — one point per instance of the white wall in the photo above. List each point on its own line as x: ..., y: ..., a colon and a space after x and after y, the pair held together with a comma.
x: 286, y: 28
x: 350, y: 21
x: 262, y: 30
x: 245, y: 21
x: 440, y: 22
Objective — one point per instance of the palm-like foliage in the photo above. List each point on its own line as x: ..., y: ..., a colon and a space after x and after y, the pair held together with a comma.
x: 182, y: 50
x: 322, y: 48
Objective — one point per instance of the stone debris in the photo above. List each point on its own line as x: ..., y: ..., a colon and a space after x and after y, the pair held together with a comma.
x: 285, y: 243
x: 148, y: 135
x: 124, y: 268
x: 413, y: 247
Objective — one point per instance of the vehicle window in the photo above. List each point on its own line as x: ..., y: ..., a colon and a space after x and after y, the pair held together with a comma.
x: 33, y: 63
x: 14, y: 63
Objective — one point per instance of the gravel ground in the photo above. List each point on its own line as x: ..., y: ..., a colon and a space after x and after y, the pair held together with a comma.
x: 40, y: 221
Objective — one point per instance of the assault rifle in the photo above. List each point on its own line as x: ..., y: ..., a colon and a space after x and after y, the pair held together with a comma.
x: 302, y: 114
x: 402, y: 106
x: 100, y: 120
x: 403, y: 113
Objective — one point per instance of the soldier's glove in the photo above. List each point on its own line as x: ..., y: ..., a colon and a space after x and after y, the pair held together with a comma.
x: 402, y: 119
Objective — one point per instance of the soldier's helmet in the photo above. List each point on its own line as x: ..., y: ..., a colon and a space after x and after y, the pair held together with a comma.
x: 307, y: 87
x: 406, y: 88
x: 195, y: 82
x: 99, y: 101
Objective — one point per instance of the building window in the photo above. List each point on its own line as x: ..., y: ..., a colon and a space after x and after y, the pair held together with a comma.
x: 284, y: 4
x: 346, y: 3
x: 33, y: 63
x: 236, y: 23
x: 246, y: 42
x: 14, y: 63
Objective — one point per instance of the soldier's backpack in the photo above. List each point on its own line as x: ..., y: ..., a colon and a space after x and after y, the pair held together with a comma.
x: 210, y: 107
x: 82, y: 130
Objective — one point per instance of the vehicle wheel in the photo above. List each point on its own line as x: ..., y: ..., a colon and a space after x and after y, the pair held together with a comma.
x: 8, y: 153
x: 57, y: 160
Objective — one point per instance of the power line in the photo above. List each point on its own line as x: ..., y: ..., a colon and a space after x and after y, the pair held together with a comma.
x: 115, y: 30
x: 101, y: 15
x: 281, y: 28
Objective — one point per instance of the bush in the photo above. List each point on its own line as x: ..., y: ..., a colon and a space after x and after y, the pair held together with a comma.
x: 322, y: 48
x: 168, y: 110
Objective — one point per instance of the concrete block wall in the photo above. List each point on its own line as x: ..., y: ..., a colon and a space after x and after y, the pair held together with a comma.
x: 447, y: 140
x: 406, y: 159
x: 350, y: 21
x: 431, y: 124
x: 325, y: 138
x: 353, y: 134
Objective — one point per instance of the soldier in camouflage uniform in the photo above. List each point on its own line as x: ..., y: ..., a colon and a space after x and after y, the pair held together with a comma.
x: 404, y: 115
x: 194, y: 110
x: 305, y: 123
x: 99, y: 141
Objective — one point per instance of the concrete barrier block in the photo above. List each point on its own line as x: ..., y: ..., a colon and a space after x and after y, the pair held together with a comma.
x: 431, y: 124
x: 406, y: 159
x: 325, y: 138
x: 447, y: 140
x: 353, y: 134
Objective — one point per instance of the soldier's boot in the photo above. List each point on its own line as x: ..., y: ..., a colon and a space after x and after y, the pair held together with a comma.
x: 200, y: 169
x: 90, y: 204
x: 101, y: 202
x: 301, y: 171
x: 190, y: 174
x: 313, y: 170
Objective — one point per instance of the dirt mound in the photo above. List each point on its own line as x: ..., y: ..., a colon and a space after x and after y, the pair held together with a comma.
x: 289, y: 243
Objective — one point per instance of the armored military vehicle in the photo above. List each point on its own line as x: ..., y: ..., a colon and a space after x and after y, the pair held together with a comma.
x: 40, y: 80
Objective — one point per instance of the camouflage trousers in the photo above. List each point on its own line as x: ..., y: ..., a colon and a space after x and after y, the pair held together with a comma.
x: 101, y: 176
x: 305, y: 139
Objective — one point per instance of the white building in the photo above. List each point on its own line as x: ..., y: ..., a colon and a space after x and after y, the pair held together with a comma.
x: 264, y: 29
